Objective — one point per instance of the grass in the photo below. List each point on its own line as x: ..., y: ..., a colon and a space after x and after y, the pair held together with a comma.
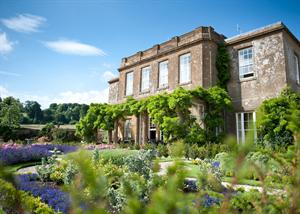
x: 193, y: 171
x: 15, y: 167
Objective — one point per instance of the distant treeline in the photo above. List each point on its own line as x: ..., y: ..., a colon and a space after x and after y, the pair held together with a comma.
x: 31, y: 112
x: 66, y: 113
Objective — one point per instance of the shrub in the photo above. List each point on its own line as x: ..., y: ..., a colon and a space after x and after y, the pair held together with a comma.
x: 47, y: 130
x: 176, y: 149
x: 116, y: 156
x: 64, y: 135
x: 140, y: 163
x: 162, y: 150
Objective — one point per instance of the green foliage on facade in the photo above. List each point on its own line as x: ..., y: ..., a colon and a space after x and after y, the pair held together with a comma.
x: 273, y: 117
x: 171, y: 112
x: 223, y: 66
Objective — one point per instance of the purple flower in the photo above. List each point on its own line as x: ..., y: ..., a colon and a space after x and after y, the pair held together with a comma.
x: 12, y: 153
x: 210, y: 201
x: 216, y: 164
x: 49, y: 194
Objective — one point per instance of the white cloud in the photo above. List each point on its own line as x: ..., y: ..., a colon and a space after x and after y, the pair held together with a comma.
x: 6, y: 46
x: 73, y: 47
x: 3, y: 92
x: 108, y: 75
x: 86, y: 97
x: 5, y: 73
x: 24, y: 23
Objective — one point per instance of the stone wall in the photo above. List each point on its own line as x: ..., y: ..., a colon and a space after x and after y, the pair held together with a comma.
x: 113, y: 92
x: 200, y: 43
x: 269, y: 72
x: 291, y: 47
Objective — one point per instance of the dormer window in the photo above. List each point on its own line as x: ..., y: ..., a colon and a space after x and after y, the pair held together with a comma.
x: 246, y: 63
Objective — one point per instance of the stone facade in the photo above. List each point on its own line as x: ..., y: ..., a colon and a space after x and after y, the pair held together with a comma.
x: 273, y: 69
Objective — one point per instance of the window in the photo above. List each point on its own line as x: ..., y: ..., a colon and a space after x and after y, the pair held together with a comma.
x: 245, y: 123
x: 163, y: 74
x: 129, y: 84
x: 185, y: 68
x: 145, y: 79
x: 246, y: 63
x: 127, y: 130
x: 152, y: 130
x: 297, y: 70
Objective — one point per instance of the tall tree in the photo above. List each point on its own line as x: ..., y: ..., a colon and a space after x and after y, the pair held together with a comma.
x: 34, y: 111
x: 10, y: 115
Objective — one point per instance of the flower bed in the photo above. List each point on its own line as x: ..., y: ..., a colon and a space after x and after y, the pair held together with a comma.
x: 14, y: 153
x: 48, y: 192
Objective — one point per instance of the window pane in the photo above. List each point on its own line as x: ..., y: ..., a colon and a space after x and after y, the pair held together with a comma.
x: 246, y: 62
x: 129, y: 83
x: 297, y: 70
x: 127, y: 129
x: 145, y: 79
x: 185, y: 68
x: 163, y: 74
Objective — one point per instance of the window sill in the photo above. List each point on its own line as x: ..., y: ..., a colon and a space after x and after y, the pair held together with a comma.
x: 129, y: 95
x: 145, y: 92
x: 185, y: 83
x: 247, y: 79
x: 162, y: 88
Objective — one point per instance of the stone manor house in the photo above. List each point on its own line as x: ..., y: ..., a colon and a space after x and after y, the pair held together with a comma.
x: 263, y: 62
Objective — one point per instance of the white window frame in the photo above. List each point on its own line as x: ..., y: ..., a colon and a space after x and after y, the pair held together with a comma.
x: 145, y: 79
x: 242, y: 128
x: 163, y: 74
x: 127, y: 130
x: 129, y: 85
x: 185, y: 68
x: 296, y: 61
x: 246, y: 63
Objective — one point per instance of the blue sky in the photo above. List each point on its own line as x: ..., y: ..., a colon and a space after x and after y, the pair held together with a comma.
x: 65, y: 51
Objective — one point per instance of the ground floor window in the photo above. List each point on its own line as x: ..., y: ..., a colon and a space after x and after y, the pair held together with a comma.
x: 127, y: 130
x: 152, y: 130
x: 245, y: 123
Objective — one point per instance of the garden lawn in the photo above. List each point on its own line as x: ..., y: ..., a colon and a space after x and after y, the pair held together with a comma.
x: 15, y: 167
x: 193, y: 172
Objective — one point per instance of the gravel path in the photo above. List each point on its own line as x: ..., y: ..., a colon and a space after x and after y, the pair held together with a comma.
x: 30, y: 169
x: 164, y: 167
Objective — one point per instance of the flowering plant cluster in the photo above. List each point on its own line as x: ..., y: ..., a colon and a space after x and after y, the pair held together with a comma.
x: 48, y: 193
x: 13, y: 153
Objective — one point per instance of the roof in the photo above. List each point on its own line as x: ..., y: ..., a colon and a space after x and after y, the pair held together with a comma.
x: 260, y: 31
x: 116, y: 79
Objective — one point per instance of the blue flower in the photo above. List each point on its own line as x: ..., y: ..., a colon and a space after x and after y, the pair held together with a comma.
x: 216, y: 164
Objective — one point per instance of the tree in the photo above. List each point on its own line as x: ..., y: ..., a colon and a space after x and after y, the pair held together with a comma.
x: 34, y: 112
x: 273, y: 117
x: 10, y: 115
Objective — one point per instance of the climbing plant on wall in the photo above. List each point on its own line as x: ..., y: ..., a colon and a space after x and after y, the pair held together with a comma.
x: 223, y: 66
x: 171, y: 112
